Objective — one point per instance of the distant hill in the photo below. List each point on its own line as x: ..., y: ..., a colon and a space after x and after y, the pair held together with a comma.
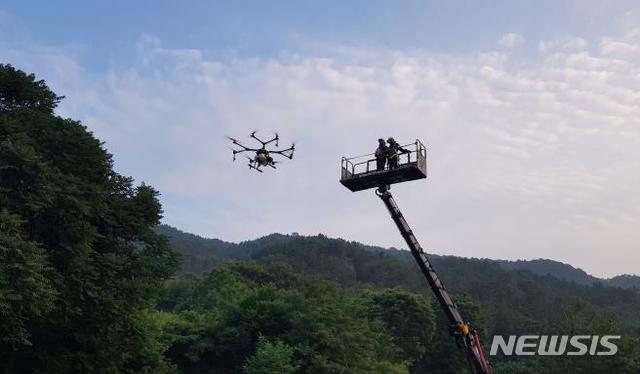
x: 202, y: 254
x: 625, y: 281
x: 569, y: 273
x: 537, y: 294
x: 553, y: 268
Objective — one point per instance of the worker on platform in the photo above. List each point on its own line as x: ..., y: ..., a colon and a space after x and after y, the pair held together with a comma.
x: 381, y: 155
x: 392, y: 153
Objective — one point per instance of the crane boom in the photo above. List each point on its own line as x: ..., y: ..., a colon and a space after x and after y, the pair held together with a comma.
x: 361, y: 173
x: 467, y: 340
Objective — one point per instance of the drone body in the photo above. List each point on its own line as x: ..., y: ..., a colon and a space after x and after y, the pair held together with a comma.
x: 262, y: 156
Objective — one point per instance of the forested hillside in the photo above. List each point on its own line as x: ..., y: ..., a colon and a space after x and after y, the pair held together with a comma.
x: 201, y: 254
x: 504, y: 301
x: 350, y: 264
x: 569, y: 273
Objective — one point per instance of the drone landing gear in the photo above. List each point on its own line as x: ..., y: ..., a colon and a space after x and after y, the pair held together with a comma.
x: 254, y: 168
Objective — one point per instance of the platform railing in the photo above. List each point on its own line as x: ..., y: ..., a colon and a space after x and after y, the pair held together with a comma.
x: 359, y: 165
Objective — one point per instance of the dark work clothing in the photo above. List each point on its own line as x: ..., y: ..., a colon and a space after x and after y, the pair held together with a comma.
x: 393, y: 156
x: 381, y: 157
x: 393, y: 161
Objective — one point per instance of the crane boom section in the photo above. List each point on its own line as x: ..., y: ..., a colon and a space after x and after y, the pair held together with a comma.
x: 467, y: 340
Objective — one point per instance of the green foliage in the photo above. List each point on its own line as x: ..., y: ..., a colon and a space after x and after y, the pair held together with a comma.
x: 26, y: 292
x: 496, y: 301
x: 21, y: 91
x: 512, y: 301
x: 582, y: 320
x: 216, y: 326
x: 408, y: 317
x: 271, y: 358
x: 338, y: 260
x: 80, y: 260
x: 513, y: 368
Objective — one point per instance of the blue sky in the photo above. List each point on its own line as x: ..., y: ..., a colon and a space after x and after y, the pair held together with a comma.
x: 243, y: 28
x: 530, y: 111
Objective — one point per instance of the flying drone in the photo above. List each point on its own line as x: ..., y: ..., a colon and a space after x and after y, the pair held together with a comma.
x: 263, y: 156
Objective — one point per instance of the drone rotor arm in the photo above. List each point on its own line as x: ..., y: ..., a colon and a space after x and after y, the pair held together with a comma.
x: 286, y: 152
x: 237, y: 143
x: 253, y: 135
x: 274, y: 139
x: 244, y: 149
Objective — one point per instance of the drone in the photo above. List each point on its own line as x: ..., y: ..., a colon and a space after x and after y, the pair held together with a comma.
x: 263, y: 156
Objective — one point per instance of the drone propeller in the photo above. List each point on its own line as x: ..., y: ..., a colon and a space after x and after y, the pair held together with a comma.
x: 234, y: 141
x: 291, y: 150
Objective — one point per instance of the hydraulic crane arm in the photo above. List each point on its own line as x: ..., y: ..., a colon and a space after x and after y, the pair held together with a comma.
x: 467, y: 340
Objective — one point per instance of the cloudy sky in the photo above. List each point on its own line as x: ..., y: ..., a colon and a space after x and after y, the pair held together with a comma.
x: 529, y: 110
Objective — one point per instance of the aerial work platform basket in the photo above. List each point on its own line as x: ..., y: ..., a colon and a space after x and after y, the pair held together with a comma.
x: 361, y: 173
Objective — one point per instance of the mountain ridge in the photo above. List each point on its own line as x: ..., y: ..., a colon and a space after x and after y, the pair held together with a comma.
x: 202, y: 254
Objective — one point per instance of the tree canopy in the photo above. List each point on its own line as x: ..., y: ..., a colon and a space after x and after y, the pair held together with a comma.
x: 79, y: 259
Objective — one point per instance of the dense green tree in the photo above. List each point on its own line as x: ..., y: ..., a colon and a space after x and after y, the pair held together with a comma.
x: 443, y: 355
x: 408, y: 317
x: 583, y: 320
x: 329, y: 329
x: 19, y: 91
x: 513, y: 368
x: 80, y: 259
x: 271, y: 358
x: 25, y: 290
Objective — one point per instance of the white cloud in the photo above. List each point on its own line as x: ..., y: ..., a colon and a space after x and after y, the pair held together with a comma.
x: 528, y: 159
x: 567, y: 44
x: 150, y: 46
x: 511, y: 40
x: 619, y: 49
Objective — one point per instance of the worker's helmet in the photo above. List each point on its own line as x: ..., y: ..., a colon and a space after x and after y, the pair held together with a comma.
x: 391, y: 140
x: 380, y: 140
